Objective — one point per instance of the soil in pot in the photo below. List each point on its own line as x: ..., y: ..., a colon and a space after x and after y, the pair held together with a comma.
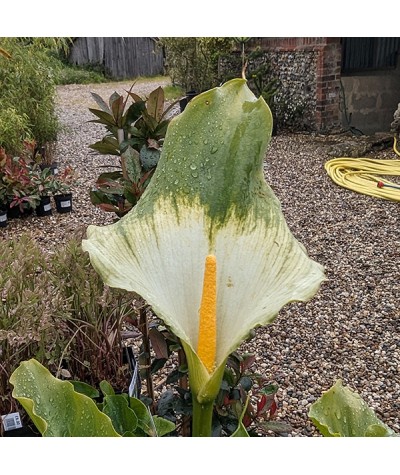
x: 63, y: 203
x: 44, y: 207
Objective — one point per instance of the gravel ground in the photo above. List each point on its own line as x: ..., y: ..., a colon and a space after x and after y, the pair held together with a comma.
x: 350, y: 330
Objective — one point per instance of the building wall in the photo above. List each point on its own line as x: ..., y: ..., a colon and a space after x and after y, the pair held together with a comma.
x: 370, y: 100
x: 309, y: 71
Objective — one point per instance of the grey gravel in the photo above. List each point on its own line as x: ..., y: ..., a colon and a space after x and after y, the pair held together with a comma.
x: 350, y: 329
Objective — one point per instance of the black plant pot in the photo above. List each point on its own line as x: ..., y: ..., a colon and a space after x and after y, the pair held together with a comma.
x: 3, y: 218
x: 15, y: 212
x: 185, y: 100
x: 53, y: 167
x: 44, y: 207
x: 26, y: 431
x: 63, y: 203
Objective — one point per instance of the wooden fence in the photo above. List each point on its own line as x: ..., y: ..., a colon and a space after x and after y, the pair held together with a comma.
x: 122, y: 58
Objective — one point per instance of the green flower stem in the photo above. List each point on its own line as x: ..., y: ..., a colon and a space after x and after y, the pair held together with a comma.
x: 202, y: 418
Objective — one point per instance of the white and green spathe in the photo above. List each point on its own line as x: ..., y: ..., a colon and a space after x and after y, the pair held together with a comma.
x: 208, y: 196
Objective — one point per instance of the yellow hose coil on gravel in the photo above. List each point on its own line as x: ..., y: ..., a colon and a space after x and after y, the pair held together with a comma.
x: 359, y: 174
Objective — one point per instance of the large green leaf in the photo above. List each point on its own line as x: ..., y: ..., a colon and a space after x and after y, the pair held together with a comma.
x: 54, y: 407
x: 117, y: 409
x: 340, y: 412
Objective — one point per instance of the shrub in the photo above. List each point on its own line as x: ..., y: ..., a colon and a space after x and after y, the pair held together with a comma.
x: 192, y: 62
x: 14, y: 127
x: 69, y: 74
x: 27, y: 86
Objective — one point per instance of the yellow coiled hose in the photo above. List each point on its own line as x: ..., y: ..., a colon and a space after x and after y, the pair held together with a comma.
x: 359, y: 174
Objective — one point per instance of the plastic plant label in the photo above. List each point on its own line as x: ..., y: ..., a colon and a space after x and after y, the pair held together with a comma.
x: 11, y: 421
x: 65, y: 204
x: 47, y: 207
x: 133, y: 390
x: 3, y: 217
x: 55, y: 171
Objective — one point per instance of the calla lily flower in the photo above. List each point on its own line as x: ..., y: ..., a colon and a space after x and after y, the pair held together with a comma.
x: 207, y: 245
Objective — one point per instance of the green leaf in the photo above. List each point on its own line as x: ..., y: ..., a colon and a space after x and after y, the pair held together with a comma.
x: 54, y: 407
x: 101, y: 103
x: 116, y: 407
x: 105, y: 148
x: 117, y: 107
x: 86, y: 389
x: 150, y: 121
x: 135, y: 97
x: 109, y: 176
x: 340, y: 412
x: 99, y: 197
x: 241, y: 430
x: 155, y: 103
x: 106, y: 388
x: 132, y: 162
x: 105, y: 117
x: 163, y: 426
x: 152, y: 426
x: 134, y: 112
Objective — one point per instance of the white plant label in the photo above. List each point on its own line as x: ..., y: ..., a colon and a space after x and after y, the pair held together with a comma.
x: 11, y: 421
x: 65, y: 204
x: 47, y: 207
x: 3, y: 217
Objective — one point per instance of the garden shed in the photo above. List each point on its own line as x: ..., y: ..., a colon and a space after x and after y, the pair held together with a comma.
x: 333, y: 83
x: 121, y: 57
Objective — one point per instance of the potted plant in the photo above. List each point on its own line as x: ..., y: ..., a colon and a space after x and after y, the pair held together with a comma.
x: 62, y: 189
x: 3, y: 204
x: 21, y: 195
x: 44, y: 182
x: 40, y: 155
x: 46, y: 156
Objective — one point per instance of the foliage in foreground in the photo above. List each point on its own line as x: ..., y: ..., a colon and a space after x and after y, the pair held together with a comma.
x: 340, y: 412
x: 62, y: 409
x: 71, y: 325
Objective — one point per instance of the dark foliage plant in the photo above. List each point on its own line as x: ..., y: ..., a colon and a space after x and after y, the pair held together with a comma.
x: 135, y: 131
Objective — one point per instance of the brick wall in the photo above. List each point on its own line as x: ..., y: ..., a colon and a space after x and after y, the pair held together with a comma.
x: 320, y: 84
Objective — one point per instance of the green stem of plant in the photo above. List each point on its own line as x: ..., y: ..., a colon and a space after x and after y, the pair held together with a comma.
x: 202, y: 418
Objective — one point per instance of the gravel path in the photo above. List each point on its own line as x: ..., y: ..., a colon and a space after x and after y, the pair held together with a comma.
x: 350, y: 330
